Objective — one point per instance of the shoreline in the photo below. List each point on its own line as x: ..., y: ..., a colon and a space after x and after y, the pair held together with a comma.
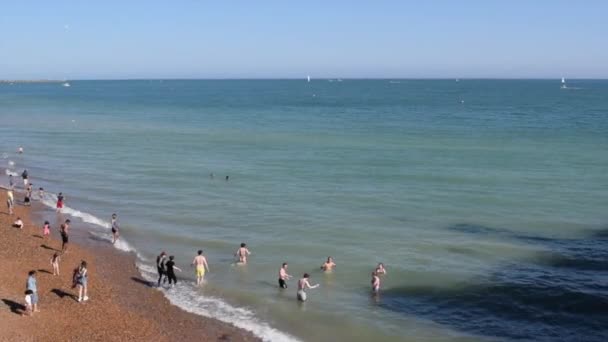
x: 123, y: 306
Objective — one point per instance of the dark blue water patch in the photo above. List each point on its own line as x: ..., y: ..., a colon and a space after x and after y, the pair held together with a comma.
x: 529, y: 309
x: 560, y: 294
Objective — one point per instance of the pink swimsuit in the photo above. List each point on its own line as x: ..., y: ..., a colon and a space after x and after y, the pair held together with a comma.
x: 47, y: 230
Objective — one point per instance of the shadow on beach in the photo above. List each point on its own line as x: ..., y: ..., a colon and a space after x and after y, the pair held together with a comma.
x: 143, y: 282
x: 14, y: 306
x: 48, y: 247
x: 61, y: 294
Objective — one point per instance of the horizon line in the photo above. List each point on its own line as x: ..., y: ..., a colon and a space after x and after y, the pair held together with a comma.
x: 52, y: 80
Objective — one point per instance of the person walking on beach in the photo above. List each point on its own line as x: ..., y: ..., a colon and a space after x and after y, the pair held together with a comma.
x: 170, y: 265
x: 28, y: 303
x: 32, y: 286
x: 303, y: 284
x: 283, y: 276
x: 46, y: 229
x: 60, y: 200
x: 81, y: 281
x: 10, y: 201
x: 25, y: 176
x: 200, y: 263
x: 242, y: 253
x: 329, y: 265
x: 161, y: 267
x: 63, y: 230
x: 115, y: 228
x: 55, y: 263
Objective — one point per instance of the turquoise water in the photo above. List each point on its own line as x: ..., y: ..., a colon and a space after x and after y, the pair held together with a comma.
x: 485, y: 199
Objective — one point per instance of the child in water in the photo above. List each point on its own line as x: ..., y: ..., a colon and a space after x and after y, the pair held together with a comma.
x: 328, y: 265
x: 242, y: 253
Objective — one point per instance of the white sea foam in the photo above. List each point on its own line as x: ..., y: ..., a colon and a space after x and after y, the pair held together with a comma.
x: 188, y: 299
x: 11, y: 173
x: 50, y: 200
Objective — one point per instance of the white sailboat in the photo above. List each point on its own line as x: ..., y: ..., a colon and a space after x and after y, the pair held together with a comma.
x: 66, y: 84
x: 308, y: 78
x: 563, y: 83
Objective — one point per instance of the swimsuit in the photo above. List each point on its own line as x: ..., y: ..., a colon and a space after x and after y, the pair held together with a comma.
x: 282, y: 283
x: 200, y: 270
x: 47, y: 230
x: 301, y: 295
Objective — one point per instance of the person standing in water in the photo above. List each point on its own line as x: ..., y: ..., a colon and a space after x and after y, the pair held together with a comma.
x: 200, y: 263
x: 242, y: 253
x: 63, y: 230
x: 115, y: 228
x: 380, y: 269
x: 170, y: 265
x: 375, y: 283
x: 329, y: 265
x: 60, y: 200
x: 283, y: 276
x: 303, y: 284
x: 11, y: 182
x: 25, y: 176
x: 160, y: 267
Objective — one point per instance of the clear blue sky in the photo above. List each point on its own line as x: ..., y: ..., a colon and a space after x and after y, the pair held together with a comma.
x: 274, y: 39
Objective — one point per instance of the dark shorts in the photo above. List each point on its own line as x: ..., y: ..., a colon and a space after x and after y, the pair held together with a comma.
x: 282, y: 283
x: 160, y: 271
x: 64, y: 237
x: 114, y: 231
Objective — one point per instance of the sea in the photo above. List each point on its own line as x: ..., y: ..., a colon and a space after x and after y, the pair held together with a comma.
x: 486, y: 200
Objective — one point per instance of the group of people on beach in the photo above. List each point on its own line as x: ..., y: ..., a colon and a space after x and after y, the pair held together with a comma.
x: 80, y: 275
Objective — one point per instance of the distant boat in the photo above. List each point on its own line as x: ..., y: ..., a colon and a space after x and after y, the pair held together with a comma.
x: 308, y: 78
x: 457, y: 80
x: 563, y: 83
x: 66, y: 84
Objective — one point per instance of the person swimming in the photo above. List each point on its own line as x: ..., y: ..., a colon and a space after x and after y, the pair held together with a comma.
x: 328, y: 265
x: 303, y: 284
x: 242, y: 253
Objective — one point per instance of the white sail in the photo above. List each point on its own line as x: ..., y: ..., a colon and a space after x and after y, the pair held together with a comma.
x: 563, y: 80
x: 308, y: 78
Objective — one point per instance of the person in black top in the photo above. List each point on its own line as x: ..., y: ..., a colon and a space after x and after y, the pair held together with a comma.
x: 24, y: 175
x: 170, y: 265
x: 63, y: 230
x: 160, y: 267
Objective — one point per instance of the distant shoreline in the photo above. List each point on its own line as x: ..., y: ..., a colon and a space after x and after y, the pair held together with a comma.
x: 31, y: 81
